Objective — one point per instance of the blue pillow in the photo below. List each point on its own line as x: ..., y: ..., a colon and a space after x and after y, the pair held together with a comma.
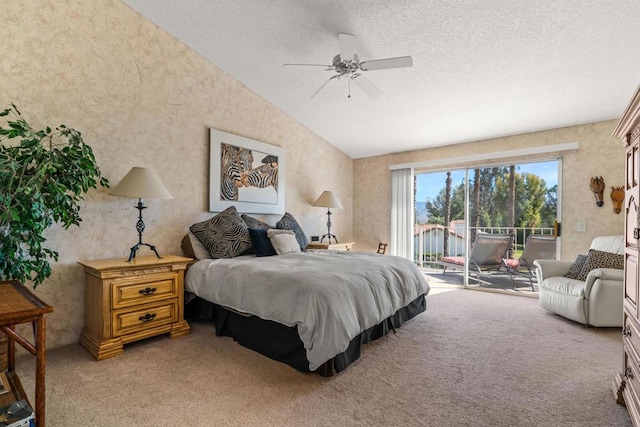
x: 261, y: 243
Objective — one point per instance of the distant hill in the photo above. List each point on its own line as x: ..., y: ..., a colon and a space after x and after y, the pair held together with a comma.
x: 421, y: 212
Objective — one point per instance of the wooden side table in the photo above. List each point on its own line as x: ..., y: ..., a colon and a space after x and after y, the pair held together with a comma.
x: 129, y: 301
x: 331, y: 246
x: 19, y: 305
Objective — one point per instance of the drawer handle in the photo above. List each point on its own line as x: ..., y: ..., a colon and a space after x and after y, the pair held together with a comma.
x: 147, y: 317
x: 627, y: 373
x: 626, y: 331
x: 147, y: 291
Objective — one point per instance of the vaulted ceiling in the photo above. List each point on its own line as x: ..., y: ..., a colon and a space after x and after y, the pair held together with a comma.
x: 481, y: 69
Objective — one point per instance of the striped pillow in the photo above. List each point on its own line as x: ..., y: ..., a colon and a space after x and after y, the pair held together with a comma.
x: 225, y: 235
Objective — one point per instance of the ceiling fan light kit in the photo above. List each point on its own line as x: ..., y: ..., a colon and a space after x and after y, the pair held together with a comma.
x: 347, y: 65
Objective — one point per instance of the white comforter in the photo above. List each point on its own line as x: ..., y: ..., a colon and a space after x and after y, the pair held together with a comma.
x: 331, y: 297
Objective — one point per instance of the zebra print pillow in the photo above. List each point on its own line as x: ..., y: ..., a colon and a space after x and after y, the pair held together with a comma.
x: 225, y: 235
x: 288, y: 222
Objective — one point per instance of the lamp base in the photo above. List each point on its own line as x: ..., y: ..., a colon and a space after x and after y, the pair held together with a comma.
x: 135, y: 249
x: 140, y: 228
x: 329, y: 236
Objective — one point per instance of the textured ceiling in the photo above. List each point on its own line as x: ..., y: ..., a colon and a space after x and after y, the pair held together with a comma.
x: 481, y: 68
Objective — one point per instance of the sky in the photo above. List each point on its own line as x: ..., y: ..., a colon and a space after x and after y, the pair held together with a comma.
x: 429, y: 184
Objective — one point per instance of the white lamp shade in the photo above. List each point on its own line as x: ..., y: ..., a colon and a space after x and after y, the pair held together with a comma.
x: 141, y: 183
x: 328, y: 200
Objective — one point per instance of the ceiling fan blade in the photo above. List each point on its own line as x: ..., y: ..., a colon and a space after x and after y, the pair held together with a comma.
x: 324, y: 84
x: 366, y: 86
x: 383, y: 64
x: 308, y: 65
x: 347, y: 46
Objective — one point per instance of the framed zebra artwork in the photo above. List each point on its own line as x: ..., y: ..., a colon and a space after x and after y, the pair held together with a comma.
x: 246, y: 174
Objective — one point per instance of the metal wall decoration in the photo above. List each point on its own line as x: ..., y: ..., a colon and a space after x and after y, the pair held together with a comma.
x: 597, y: 187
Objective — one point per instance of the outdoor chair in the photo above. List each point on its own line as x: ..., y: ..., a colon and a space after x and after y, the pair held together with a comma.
x: 536, y: 247
x: 486, y: 255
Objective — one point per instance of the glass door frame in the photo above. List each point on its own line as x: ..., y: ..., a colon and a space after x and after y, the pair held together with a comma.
x: 467, y: 169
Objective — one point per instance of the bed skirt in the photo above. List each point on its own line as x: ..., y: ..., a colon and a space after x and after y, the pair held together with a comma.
x: 284, y: 343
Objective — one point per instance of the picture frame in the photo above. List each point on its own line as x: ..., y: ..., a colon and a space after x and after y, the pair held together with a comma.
x: 245, y: 173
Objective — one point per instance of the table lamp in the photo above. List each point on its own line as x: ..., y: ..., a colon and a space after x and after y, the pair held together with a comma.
x: 141, y: 183
x: 328, y: 200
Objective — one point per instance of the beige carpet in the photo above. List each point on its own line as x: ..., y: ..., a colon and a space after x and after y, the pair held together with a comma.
x: 473, y: 359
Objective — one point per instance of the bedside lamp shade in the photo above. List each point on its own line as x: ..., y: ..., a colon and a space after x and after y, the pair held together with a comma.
x: 328, y: 200
x: 141, y: 183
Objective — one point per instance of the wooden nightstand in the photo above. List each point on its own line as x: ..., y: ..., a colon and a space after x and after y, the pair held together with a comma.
x: 331, y: 246
x: 130, y: 301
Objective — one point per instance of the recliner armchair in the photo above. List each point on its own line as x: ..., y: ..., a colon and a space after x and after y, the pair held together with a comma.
x: 597, y: 301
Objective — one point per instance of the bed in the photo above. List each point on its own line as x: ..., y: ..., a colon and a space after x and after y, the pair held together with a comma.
x: 310, y: 310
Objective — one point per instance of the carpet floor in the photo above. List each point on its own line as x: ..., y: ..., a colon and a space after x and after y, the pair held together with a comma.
x: 472, y: 359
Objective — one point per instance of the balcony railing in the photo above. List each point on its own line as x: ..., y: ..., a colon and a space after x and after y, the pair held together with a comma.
x: 429, y: 240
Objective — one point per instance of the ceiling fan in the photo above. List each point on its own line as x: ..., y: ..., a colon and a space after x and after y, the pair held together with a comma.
x: 347, y: 65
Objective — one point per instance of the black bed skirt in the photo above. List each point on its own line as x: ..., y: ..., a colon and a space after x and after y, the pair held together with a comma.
x: 284, y: 343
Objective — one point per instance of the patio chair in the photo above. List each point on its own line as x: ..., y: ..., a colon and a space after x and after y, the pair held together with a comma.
x: 536, y: 247
x: 486, y: 255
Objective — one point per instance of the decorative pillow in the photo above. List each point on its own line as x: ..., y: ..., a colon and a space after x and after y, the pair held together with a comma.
x: 283, y: 241
x: 600, y: 259
x: 193, y: 248
x: 575, y: 268
x: 288, y: 222
x: 261, y: 243
x: 225, y: 235
x: 254, y: 222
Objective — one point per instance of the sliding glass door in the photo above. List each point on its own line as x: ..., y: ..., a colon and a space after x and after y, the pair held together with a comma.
x: 454, y: 207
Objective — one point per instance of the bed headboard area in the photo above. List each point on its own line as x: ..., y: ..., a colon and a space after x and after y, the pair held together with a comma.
x: 230, y: 234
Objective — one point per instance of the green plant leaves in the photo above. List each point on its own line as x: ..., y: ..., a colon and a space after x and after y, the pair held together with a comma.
x: 42, y: 180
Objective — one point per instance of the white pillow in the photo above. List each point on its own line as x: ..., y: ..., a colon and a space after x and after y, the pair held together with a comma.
x: 283, y: 241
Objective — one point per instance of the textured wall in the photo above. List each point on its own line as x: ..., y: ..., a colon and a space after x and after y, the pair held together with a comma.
x: 599, y: 154
x: 141, y: 98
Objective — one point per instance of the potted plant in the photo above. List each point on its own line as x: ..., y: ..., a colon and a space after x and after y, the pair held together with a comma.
x: 43, y: 175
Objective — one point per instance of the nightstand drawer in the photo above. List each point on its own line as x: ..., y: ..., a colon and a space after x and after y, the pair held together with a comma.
x: 130, y: 321
x: 132, y: 291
